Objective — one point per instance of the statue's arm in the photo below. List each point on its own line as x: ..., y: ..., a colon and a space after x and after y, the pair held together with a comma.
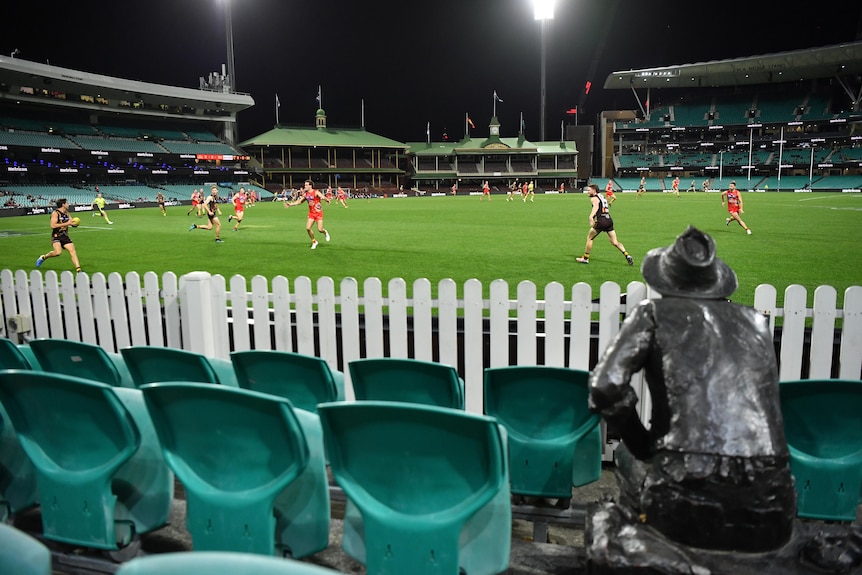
x: 611, y: 393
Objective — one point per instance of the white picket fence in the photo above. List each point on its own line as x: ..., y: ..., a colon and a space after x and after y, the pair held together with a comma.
x: 203, y: 313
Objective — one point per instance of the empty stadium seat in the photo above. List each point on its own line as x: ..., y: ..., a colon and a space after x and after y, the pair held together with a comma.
x: 252, y: 468
x: 211, y: 562
x: 21, y: 554
x: 303, y: 379
x: 824, y: 434
x: 410, y: 380
x: 151, y: 364
x: 96, y: 455
x: 427, y: 487
x: 16, y: 356
x: 554, y: 440
x: 83, y: 360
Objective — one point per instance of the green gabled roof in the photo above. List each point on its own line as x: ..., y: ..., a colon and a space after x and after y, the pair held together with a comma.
x: 474, y: 145
x: 328, y: 137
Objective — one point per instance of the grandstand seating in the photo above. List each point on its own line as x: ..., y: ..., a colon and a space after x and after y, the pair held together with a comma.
x: 80, y: 359
x: 405, y: 379
x: 150, y: 364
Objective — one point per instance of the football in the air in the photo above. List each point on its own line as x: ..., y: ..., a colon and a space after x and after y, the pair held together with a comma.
x: 75, y: 221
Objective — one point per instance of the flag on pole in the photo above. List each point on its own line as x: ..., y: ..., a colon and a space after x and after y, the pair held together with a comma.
x: 277, y: 103
x: 319, y: 99
x: 469, y: 121
x: 497, y: 98
x: 428, y: 132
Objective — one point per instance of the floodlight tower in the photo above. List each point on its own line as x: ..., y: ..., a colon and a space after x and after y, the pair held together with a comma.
x: 543, y: 10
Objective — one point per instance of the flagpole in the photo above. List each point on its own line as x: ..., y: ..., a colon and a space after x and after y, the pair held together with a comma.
x: 428, y: 133
x: 276, y: 109
x: 495, y: 104
x: 363, y: 113
x: 466, y: 124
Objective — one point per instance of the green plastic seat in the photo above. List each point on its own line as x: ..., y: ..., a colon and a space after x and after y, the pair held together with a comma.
x: 410, y: 380
x: 16, y: 356
x: 303, y: 379
x: 101, y: 476
x: 426, y: 486
x: 554, y: 440
x: 150, y: 364
x: 252, y: 467
x: 213, y: 562
x: 823, y: 427
x: 17, y: 474
x: 80, y: 359
x: 21, y: 554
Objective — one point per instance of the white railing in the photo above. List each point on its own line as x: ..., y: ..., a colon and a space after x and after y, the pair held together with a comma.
x: 201, y: 312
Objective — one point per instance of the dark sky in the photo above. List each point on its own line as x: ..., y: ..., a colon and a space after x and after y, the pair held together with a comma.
x: 415, y: 61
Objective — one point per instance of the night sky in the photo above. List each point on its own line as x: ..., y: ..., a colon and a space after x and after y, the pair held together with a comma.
x: 413, y: 62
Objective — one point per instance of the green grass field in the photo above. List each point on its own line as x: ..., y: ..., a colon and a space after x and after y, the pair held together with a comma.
x: 808, y: 239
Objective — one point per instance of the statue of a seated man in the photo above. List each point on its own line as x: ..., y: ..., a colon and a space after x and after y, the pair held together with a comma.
x: 712, y: 471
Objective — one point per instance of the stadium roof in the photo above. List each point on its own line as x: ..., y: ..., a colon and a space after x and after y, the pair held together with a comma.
x: 34, y: 77
x: 815, y: 63
x: 478, y: 145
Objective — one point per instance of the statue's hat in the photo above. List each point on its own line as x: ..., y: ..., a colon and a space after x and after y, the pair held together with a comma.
x: 689, y: 268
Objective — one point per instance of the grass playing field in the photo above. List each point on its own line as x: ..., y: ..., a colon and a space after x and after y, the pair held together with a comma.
x: 809, y: 239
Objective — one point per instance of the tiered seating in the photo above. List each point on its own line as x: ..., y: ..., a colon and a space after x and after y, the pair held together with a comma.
x: 36, y: 139
x: 202, y: 136
x: 198, y: 148
x: 117, y: 144
x: 733, y: 109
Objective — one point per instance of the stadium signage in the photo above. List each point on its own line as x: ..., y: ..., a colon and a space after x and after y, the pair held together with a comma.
x: 34, y: 211
x: 51, y: 150
x: 718, y: 127
x: 116, y: 171
x: 187, y: 156
x: 3, y: 148
x: 144, y: 154
x: 677, y: 129
x: 241, y: 172
x: 16, y: 169
x: 657, y: 73
x: 159, y: 171
x: 827, y: 165
x: 797, y: 123
x: 838, y: 121
x: 85, y: 208
x: 68, y: 170
x: 126, y: 206
x: 201, y: 172
x: 220, y: 157
x: 98, y: 153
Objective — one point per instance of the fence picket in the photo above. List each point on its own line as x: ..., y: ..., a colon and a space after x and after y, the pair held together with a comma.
x: 423, y: 327
x: 260, y: 313
x: 580, y: 318
x: 104, y: 332
x: 474, y: 346
x: 397, y: 291
x: 153, y: 307
x: 239, y: 313
x: 765, y: 298
x: 117, y: 309
x: 8, y: 308
x: 373, y: 291
x: 609, y: 314
x: 70, y: 306
x: 499, y: 314
x: 822, y: 332
x: 282, y: 314
x: 304, y: 305
x: 326, y: 321
x: 350, y: 342
x: 447, y: 292
x: 173, y: 317
x: 555, y: 325
x: 33, y: 294
x: 85, y: 309
x: 135, y: 305
x: 53, y: 305
x: 851, y: 335
x: 792, y: 333
x: 526, y: 322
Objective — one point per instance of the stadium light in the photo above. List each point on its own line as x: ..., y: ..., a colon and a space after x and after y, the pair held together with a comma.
x: 543, y: 10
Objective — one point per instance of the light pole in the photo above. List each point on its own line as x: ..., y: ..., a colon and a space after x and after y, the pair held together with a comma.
x: 231, y: 69
x: 543, y: 10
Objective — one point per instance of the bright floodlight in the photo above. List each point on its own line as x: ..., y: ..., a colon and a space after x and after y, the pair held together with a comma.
x: 543, y: 9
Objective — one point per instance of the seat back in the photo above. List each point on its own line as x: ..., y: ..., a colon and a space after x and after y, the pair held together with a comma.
x: 409, y: 380
x: 418, y: 474
x: 17, y: 474
x: 545, y: 411
x: 14, y: 356
x: 209, y: 562
x: 304, y: 380
x: 78, y: 434
x: 21, y: 554
x: 79, y: 359
x: 151, y: 364
x: 824, y: 434
x: 254, y: 482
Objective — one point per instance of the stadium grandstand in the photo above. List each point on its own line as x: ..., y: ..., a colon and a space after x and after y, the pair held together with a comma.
x: 782, y: 121
x: 65, y: 132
